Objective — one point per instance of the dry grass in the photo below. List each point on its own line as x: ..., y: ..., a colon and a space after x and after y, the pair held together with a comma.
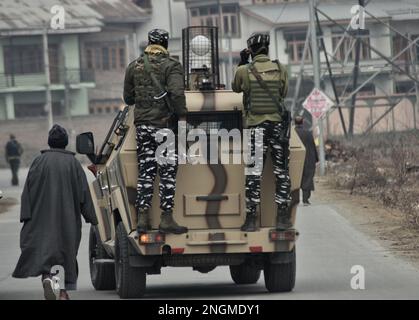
x: 383, y: 167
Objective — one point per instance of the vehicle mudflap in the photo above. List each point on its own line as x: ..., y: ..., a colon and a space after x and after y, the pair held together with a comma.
x: 281, y: 257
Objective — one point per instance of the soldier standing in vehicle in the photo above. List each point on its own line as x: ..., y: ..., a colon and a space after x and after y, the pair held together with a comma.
x: 155, y: 84
x: 264, y: 84
x: 13, y: 153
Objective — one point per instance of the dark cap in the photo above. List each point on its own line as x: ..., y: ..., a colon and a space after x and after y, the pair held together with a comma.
x: 57, y: 137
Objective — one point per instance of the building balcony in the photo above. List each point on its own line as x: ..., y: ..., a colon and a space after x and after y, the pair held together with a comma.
x: 74, y: 78
x: 366, y: 67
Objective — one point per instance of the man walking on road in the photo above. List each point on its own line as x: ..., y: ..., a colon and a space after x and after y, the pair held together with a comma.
x: 55, y: 196
x: 306, y: 137
x: 13, y: 153
x: 155, y: 84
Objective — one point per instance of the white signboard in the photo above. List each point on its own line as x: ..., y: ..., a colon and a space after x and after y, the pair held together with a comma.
x: 317, y: 103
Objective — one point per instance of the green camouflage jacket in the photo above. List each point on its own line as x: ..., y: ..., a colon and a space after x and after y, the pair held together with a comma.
x: 140, y: 90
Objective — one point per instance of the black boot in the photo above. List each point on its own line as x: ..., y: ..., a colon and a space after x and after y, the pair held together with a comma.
x: 283, y: 219
x: 169, y: 225
x: 143, y: 224
x: 250, y: 223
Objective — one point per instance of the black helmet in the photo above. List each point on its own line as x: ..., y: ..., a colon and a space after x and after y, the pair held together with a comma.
x: 159, y: 36
x: 258, y: 43
x: 258, y: 39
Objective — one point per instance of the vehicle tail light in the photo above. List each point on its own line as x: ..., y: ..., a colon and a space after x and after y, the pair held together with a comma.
x: 288, y: 235
x: 152, y: 238
x: 177, y: 250
x: 256, y: 249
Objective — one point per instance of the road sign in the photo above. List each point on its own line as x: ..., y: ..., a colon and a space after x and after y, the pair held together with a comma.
x: 317, y: 103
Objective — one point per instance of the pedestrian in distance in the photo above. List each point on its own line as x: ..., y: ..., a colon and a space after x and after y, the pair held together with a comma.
x: 55, y: 196
x: 13, y: 153
x: 311, y: 158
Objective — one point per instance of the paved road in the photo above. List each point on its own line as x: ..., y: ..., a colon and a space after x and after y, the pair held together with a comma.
x: 327, y: 249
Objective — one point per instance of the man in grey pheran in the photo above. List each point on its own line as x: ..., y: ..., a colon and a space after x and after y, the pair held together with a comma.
x: 55, y: 196
x: 311, y: 158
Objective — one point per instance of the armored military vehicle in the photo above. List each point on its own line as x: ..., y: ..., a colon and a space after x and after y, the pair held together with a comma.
x: 210, y: 198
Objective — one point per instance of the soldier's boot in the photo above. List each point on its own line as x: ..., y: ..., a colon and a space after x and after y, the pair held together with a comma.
x: 143, y: 224
x: 283, y: 219
x: 169, y: 225
x: 250, y: 223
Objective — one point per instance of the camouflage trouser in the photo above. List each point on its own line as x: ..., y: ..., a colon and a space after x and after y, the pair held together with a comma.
x: 272, y: 134
x: 147, y: 171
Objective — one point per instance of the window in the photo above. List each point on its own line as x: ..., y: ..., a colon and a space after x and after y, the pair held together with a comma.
x: 23, y: 59
x: 400, y: 43
x: 98, y: 59
x: 29, y: 110
x: 405, y: 87
x: 89, y: 58
x: 295, y: 46
x: 210, y: 16
x: 347, y: 48
x: 122, y: 58
x: 145, y: 4
x: 417, y: 48
x: 367, y: 90
x: 105, y: 56
x: 113, y: 58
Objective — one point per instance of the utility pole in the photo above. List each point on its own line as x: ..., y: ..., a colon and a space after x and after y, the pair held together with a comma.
x: 355, y: 77
x: 316, y: 73
x: 300, y: 75
x: 48, y: 99
x: 169, y: 3
x: 67, y: 104
x: 128, y: 53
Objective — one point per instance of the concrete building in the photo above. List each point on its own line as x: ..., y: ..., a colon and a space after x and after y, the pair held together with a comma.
x: 287, y: 22
x: 108, y: 52
x: 87, y: 58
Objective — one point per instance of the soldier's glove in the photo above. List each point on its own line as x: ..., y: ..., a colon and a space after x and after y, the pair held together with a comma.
x: 244, y: 57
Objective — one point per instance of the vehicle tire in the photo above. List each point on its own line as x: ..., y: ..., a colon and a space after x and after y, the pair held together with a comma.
x: 281, y: 277
x: 245, y: 274
x: 130, y: 281
x: 101, y: 275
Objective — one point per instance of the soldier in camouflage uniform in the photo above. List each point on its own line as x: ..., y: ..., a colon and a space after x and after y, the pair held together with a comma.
x: 261, y: 112
x: 153, y: 112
